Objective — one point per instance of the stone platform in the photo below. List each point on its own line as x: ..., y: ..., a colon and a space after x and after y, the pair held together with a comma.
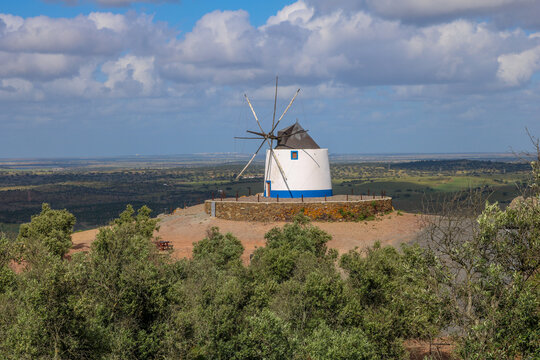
x: 331, y: 208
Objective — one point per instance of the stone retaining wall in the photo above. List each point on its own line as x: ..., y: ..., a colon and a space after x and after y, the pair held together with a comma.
x: 354, y: 210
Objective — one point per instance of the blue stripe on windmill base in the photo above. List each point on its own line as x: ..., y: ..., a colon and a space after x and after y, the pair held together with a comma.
x: 286, y: 194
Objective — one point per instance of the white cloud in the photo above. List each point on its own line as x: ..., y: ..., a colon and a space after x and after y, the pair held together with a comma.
x: 14, y: 88
x: 220, y: 38
x: 37, y: 66
x: 297, y: 12
x: 409, y: 69
x: 131, y: 74
x: 435, y: 8
x: 108, y: 20
x: 10, y: 22
x: 517, y: 68
x: 125, y: 55
x: 504, y: 13
x: 47, y: 35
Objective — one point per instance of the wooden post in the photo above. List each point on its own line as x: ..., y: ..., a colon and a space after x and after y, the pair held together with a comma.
x: 249, y: 190
x: 302, y: 197
x: 324, y: 197
x: 277, y: 198
x: 360, y: 196
x: 212, y: 196
x: 258, y: 197
x: 237, y: 196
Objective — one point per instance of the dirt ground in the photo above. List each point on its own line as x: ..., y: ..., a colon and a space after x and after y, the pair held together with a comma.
x: 440, y: 349
x: 189, y: 225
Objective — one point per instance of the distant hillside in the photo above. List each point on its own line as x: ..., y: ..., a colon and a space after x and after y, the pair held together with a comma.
x: 462, y: 164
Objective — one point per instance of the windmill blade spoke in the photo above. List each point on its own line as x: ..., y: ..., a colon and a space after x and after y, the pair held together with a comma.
x: 286, y: 109
x: 294, y: 133
x: 282, y: 172
x: 250, y: 160
x: 256, y: 133
x: 247, y: 138
x: 279, y: 166
x: 312, y: 158
x: 274, y: 116
x: 254, y: 114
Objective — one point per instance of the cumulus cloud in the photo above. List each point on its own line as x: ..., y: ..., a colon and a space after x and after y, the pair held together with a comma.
x: 353, y: 48
x: 131, y: 74
x: 115, y: 22
x: 517, y: 68
x: 297, y: 12
x: 129, y: 67
x: 128, y: 55
x: 41, y: 47
x: 436, y: 8
x: 502, y: 12
x: 37, y: 66
x: 42, y: 34
x: 9, y: 23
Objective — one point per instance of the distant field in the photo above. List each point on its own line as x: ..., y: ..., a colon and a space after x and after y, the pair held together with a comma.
x: 97, y: 195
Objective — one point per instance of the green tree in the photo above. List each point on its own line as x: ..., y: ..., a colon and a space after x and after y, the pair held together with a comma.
x: 208, y: 301
x: 396, y: 295
x: 490, y: 260
x: 266, y: 336
x: 314, y: 294
x: 43, y: 317
x: 50, y: 228
x: 218, y: 249
x: 327, y: 344
x: 7, y: 276
x: 126, y: 286
x: 284, y: 246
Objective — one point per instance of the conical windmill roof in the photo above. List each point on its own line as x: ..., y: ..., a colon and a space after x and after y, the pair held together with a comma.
x: 295, y: 137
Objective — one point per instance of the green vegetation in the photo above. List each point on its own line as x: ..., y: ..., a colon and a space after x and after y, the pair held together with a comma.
x: 51, y: 229
x: 476, y: 277
x: 96, y: 195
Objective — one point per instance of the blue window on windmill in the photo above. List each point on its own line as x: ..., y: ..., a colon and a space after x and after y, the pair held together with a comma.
x: 294, y: 155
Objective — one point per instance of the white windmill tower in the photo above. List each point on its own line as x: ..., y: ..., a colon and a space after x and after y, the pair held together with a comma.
x: 297, y: 166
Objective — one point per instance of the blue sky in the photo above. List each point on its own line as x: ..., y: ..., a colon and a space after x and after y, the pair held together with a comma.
x: 120, y: 77
x: 179, y: 14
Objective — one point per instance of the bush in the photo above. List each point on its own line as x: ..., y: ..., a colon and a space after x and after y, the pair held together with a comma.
x: 51, y: 228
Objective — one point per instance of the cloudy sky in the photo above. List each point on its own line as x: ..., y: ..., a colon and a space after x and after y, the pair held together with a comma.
x: 121, y: 77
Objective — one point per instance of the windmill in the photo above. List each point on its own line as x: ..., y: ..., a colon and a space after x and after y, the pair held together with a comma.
x: 297, y: 166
